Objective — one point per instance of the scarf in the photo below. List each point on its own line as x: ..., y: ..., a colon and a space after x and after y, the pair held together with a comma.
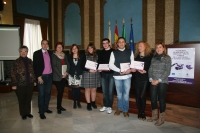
x: 60, y: 55
x: 159, y: 56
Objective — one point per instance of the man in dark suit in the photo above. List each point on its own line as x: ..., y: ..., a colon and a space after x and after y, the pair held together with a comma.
x: 43, y: 72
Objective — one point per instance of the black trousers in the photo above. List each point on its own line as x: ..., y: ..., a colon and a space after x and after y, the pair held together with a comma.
x: 158, y: 93
x: 76, y: 94
x: 60, y: 85
x: 24, y: 95
x: 140, y: 89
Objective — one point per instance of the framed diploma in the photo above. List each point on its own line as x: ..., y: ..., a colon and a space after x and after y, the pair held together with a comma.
x: 139, y: 65
x: 124, y: 66
x: 104, y: 67
x: 91, y: 65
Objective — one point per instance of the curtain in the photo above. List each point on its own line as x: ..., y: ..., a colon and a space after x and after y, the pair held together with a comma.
x: 32, y: 36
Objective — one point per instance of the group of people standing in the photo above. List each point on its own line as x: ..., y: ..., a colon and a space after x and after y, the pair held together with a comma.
x: 47, y: 66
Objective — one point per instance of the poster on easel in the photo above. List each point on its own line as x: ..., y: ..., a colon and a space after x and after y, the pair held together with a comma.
x: 182, y: 68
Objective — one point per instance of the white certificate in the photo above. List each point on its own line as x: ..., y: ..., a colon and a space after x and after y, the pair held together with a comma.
x: 91, y: 65
x: 139, y: 65
x: 124, y: 66
x: 64, y: 69
x: 104, y: 67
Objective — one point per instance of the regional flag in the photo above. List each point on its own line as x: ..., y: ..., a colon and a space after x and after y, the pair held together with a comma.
x: 116, y: 36
x: 109, y: 35
x: 123, y: 32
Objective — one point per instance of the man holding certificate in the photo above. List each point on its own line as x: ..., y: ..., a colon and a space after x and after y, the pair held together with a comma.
x: 120, y: 63
x: 107, y: 79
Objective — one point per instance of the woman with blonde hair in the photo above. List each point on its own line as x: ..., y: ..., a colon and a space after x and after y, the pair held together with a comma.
x: 158, y: 76
x: 141, y: 79
x: 91, y: 78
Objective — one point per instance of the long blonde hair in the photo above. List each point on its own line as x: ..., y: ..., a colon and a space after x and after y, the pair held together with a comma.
x: 147, y: 51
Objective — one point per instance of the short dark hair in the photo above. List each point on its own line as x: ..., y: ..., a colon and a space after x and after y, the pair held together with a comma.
x: 59, y: 43
x: 23, y: 47
x: 105, y: 39
x: 45, y: 40
x: 122, y: 38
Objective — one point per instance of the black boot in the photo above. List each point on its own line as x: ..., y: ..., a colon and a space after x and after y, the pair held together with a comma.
x: 89, y: 108
x: 143, y: 116
x: 74, y: 105
x: 79, y: 104
x: 59, y: 111
x: 94, y: 105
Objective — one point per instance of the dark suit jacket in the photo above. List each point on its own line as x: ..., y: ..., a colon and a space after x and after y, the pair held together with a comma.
x: 38, y: 62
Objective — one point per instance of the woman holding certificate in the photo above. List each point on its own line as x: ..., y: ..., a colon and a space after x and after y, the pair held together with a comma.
x: 106, y: 76
x: 120, y: 60
x: 60, y: 68
x: 75, y: 74
x: 158, y: 76
x: 91, y: 77
x: 141, y: 79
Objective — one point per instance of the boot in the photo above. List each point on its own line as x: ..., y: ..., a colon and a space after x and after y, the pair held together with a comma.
x: 74, y: 106
x: 79, y: 105
x: 154, y: 115
x: 89, y: 108
x: 161, y: 119
x: 94, y: 105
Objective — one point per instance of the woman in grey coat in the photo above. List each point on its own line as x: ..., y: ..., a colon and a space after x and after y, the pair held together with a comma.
x: 158, y: 76
x: 60, y: 68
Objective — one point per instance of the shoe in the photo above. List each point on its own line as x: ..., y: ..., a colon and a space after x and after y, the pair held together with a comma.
x: 48, y: 111
x: 62, y: 109
x: 79, y: 105
x: 42, y: 116
x: 118, y: 112
x: 94, y: 105
x: 24, y: 117
x: 59, y: 111
x: 29, y: 116
x: 143, y: 116
x: 103, y: 109
x: 126, y: 114
x: 161, y: 119
x: 74, y: 106
x: 89, y: 108
x: 154, y: 115
x: 139, y: 116
x: 109, y: 110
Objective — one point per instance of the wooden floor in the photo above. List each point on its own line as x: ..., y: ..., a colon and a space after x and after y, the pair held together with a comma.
x: 174, y: 113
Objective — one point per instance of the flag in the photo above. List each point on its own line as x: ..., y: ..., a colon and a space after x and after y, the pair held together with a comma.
x: 109, y: 34
x: 123, y: 32
x: 131, y: 39
x: 116, y: 36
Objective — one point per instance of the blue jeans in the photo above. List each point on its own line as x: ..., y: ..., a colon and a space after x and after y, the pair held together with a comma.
x: 107, y: 88
x: 123, y: 89
x: 44, y: 91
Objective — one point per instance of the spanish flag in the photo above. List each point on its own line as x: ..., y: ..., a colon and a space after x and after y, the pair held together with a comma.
x: 116, y: 36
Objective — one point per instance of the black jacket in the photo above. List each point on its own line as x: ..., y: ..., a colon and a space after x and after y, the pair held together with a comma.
x: 38, y: 62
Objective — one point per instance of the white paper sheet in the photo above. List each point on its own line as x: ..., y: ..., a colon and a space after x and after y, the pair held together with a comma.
x: 104, y: 67
x: 64, y: 69
x: 139, y: 65
x: 124, y: 66
x: 91, y: 65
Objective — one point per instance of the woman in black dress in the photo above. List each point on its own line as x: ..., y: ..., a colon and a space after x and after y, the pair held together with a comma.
x: 141, y: 80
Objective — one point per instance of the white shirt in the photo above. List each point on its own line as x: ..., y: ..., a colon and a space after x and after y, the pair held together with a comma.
x: 116, y: 69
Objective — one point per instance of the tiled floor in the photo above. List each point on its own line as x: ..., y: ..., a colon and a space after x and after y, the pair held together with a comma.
x: 76, y: 120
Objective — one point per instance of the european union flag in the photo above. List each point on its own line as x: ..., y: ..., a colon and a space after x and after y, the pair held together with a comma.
x: 131, y: 39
